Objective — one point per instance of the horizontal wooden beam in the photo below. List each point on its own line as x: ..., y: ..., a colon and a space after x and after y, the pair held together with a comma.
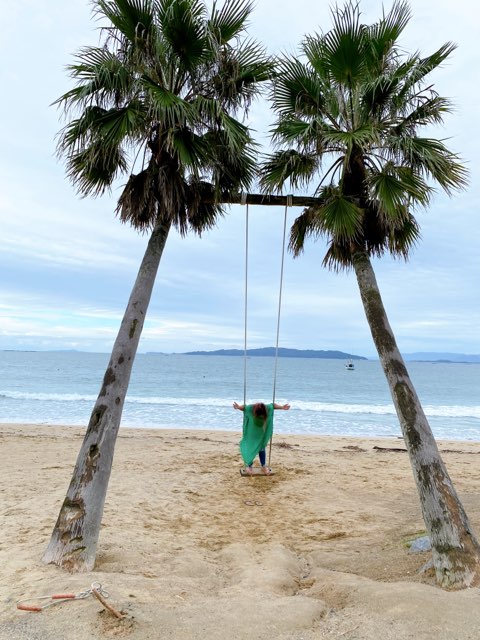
x: 269, y: 200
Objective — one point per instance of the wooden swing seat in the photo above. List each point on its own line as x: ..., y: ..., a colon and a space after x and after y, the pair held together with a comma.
x: 256, y: 472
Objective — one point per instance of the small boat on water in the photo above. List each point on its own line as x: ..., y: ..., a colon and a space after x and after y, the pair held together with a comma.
x: 350, y: 366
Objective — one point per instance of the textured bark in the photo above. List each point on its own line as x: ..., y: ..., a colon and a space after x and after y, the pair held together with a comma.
x: 455, y: 550
x: 73, y: 544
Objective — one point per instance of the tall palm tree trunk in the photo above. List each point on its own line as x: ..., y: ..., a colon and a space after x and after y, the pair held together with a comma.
x: 74, y: 539
x: 456, y: 552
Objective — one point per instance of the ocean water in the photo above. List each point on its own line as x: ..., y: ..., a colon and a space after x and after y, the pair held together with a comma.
x: 196, y: 392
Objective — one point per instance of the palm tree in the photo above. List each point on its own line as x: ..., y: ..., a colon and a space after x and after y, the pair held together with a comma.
x: 157, y: 102
x: 352, y: 99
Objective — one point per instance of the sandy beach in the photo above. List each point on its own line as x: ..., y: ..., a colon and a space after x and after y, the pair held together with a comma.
x: 189, y: 549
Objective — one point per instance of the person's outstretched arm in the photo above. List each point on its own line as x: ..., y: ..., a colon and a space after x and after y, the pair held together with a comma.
x: 240, y: 407
x: 285, y: 407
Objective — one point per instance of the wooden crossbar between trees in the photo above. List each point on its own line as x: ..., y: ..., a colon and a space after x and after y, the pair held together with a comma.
x: 269, y: 200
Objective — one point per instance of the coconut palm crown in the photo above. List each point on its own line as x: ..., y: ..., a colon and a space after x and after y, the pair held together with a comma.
x: 352, y: 100
x: 157, y: 102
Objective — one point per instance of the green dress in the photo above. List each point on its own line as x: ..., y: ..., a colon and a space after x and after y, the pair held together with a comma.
x: 256, y: 433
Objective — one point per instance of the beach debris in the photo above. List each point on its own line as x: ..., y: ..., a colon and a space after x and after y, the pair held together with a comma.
x: 101, y: 597
x: 284, y: 445
x: 42, y: 602
x: 394, y: 449
x: 419, y: 545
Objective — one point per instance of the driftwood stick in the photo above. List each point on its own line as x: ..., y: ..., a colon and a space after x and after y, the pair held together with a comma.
x: 107, y: 606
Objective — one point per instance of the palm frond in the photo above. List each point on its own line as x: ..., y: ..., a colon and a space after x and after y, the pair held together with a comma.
x: 291, y: 129
x: 230, y: 20
x: 298, y: 168
x: 304, y: 226
x: 102, y: 78
x: 252, y: 65
x: 427, y: 111
x: 230, y: 170
x: 78, y: 132
x: 236, y: 135
x: 165, y: 105
x: 383, y: 35
x: 118, y: 125
x: 397, y: 187
x: 432, y: 158
x: 133, y: 19
x: 239, y: 74
x: 343, y: 46
x: 339, y: 256
x: 421, y: 69
x: 363, y: 137
x: 138, y: 204
x: 191, y: 149
x: 203, y: 210
x: 183, y: 25
x: 403, y: 238
x: 297, y: 90
x: 93, y: 169
x: 340, y: 217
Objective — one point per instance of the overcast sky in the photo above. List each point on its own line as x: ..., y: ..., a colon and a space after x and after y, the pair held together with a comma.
x: 67, y: 264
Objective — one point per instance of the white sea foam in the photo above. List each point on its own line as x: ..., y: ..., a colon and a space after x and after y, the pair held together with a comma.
x: 452, y: 411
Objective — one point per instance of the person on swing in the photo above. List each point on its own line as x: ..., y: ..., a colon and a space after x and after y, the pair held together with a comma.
x: 257, y: 431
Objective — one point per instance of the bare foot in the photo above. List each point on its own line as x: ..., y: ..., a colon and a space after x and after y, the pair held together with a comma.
x: 266, y: 470
x: 249, y: 470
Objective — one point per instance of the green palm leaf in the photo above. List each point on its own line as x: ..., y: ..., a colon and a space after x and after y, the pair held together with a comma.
x: 183, y: 25
x: 343, y: 46
x: 432, y: 158
x: 165, y: 105
x: 427, y: 111
x: 190, y: 149
x: 381, y: 36
x: 422, y: 68
x: 291, y: 165
x: 297, y: 90
x: 162, y: 91
x: 230, y: 20
x: 340, y: 217
x: 355, y: 99
x: 101, y: 76
x: 134, y: 19
x: 394, y: 188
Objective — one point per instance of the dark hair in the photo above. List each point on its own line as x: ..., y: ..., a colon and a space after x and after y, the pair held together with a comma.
x: 260, y: 410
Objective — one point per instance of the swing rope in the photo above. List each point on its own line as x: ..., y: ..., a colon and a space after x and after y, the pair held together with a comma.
x: 289, y: 203
x: 245, y: 203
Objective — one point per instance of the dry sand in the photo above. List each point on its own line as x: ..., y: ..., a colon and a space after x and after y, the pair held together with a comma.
x: 189, y: 549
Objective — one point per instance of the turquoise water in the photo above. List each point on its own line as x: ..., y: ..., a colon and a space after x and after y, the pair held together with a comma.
x: 196, y: 392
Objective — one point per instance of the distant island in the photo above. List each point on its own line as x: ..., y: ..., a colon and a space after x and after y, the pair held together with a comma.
x: 445, y: 358
x: 282, y: 353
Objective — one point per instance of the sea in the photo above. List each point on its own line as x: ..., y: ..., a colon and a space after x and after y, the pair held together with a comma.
x: 197, y: 392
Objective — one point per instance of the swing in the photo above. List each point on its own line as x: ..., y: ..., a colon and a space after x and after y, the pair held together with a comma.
x: 257, y: 471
